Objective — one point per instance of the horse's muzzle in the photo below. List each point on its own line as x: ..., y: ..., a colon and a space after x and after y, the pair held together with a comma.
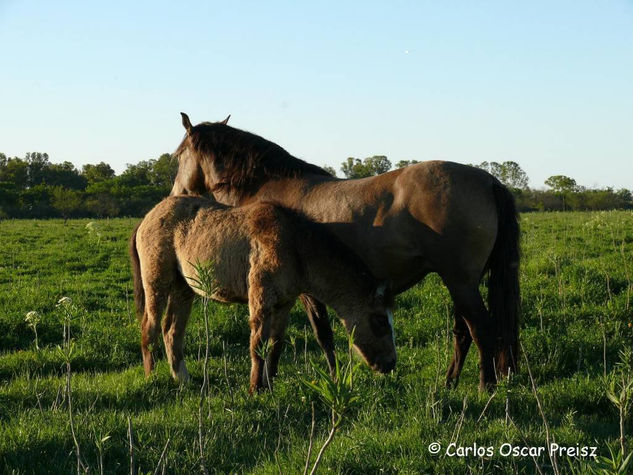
x: 385, y: 365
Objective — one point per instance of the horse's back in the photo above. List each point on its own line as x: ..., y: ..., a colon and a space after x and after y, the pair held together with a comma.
x: 454, y: 207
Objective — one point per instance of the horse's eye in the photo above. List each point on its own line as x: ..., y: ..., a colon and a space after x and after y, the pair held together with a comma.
x: 379, y: 324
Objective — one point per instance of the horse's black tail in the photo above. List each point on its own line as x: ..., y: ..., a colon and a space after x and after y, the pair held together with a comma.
x: 139, y: 292
x: 504, y: 298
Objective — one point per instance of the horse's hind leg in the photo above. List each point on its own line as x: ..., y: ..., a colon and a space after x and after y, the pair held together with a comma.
x: 461, y: 344
x: 178, y: 311
x: 469, y: 304
x: 278, y: 324
x: 150, y: 325
x: 317, y: 314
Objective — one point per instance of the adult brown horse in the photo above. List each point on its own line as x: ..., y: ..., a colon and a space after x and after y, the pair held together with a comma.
x: 443, y: 217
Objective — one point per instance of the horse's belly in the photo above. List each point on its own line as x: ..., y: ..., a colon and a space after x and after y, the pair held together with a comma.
x: 224, y: 295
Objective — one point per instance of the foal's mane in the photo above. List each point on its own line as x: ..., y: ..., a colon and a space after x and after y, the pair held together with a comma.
x: 243, y: 160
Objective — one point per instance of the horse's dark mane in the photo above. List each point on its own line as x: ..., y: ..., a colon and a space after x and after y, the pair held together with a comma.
x: 242, y: 160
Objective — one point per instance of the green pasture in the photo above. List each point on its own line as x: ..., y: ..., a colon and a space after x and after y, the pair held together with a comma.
x: 577, y: 315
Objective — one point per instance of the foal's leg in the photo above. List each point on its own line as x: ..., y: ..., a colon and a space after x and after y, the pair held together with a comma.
x: 178, y: 311
x: 150, y: 324
x: 317, y: 314
x: 461, y: 344
x: 469, y: 304
x: 261, y: 303
x: 260, y: 331
x: 278, y: 324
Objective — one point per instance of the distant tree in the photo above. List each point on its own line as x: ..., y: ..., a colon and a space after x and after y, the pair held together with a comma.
x: 566, y: 188
x: 330, y: 170
x: 513, y: 176
x: 509, y: 173
x: 378, y: 164
x: 102, y: 205
x: 625, y: 197
x: 35, y: 202
x: 370, y: 166
x: 15, y: 171
x: 561, y: 184
x: 136, y: 174
x: 64, y: 174
x: 405, y: 163
x: 353, y: 168
x: 99, y: 172
x: 159, y: 172
x: 37, y: 164
x: 163, y: 170
x: 67, y: 202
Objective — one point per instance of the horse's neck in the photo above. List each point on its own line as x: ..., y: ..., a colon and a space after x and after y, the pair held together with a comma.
x: 306, y: 194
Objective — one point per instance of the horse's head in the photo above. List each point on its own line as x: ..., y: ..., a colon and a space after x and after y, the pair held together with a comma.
x: 195, y: 175
x: 372, y: 323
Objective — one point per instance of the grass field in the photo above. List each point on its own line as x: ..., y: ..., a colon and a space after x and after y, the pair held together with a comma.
x: 577, y: 295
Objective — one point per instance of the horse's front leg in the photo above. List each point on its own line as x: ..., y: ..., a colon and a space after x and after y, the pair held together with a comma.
x: 317, y: 314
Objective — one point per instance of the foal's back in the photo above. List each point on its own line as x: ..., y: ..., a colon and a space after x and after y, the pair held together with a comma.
x: 182, y: 231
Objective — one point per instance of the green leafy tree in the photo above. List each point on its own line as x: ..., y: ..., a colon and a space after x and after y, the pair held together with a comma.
x: 562, y: 184
x: 96, y: 173
x: 64, y: 174
x: 405, y: 163
x: 509, y: 173
x: 37, y: 164
x: 513, y: 176
x: 66, y: 202
x: 14, y: 171
x: 370, y: 166
x: 330, y: 170
x: 164, y: 170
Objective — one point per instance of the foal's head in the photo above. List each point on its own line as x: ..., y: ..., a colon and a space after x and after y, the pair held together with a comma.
x: 371, y: 320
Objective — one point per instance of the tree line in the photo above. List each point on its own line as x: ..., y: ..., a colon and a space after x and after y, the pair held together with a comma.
x: 562, y: 193
x: 34, y: 187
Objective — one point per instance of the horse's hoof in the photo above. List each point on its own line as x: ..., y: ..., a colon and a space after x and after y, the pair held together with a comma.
x: 487, y: 387
x: 182, y: 376
x: 451, y: 383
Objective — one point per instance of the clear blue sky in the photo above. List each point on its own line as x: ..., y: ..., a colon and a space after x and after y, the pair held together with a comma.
x: 548, y: 84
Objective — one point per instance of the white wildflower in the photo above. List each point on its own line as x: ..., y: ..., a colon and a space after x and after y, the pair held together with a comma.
x: 64, y: 301
x: 32, y: 318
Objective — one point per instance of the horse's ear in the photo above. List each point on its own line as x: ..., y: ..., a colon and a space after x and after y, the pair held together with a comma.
x: 186, y: 123
x: 226, y: 121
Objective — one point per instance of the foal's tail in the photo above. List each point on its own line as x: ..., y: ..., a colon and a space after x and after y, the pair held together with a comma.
x: 139, y: 293
x: 503, y: 286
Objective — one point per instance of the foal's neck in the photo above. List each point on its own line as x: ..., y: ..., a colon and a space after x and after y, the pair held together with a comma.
x: 334, y: 279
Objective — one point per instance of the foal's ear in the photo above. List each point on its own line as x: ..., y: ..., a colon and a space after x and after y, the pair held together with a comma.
x: 186, y: 123
x: 226, y: 121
